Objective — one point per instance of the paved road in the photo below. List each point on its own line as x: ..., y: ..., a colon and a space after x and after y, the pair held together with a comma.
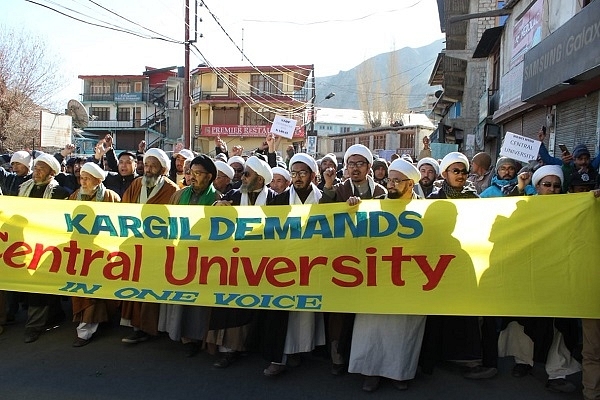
x: 107, y: 369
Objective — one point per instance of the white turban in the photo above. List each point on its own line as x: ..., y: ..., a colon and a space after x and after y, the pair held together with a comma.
x: 308, y: 160
x: 283, y: 172
x: 225, y: 168
x: 454, y: 157
x: 185, y: 153
x: 162, y: 157
x: 236, y: 159
x: 547, y: 170
x: 331, y: 157
x: 260, y: 167
x: 94, y: 170
x: 431, y: 161
x: 22, y: 157
x: 405, y: 168
x: 48, y: 160
x: 361, y: 150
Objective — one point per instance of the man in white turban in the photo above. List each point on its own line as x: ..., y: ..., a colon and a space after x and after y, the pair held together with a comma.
x: 294, y: 332
x: 152, y: 188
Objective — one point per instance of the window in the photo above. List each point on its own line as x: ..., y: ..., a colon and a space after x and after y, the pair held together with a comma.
x: 258, y: 117
x: 345, y: 129
x: 137, y: 87
x: 407, y: 140
x: 267, y: 84
x: 101, y: 113
x: 364, y: 140
x: 123, y: 114
x: 123, y: 87
x: 338, y: 145
x: 220, y: 82
x: 379, y: 142
x: 99, y: 89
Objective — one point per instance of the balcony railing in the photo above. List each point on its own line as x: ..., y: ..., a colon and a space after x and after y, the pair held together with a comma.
x: 116, y: 97
x: 301, y: 96
x: 113, y: 123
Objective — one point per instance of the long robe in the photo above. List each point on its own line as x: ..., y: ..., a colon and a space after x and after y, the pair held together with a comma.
x: 144, y: 316
x: 179, y: 321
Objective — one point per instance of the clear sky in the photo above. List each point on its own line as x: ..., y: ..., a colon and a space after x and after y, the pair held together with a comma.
x: 334, y: 35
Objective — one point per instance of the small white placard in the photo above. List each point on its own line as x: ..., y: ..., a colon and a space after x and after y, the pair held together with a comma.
x: 519, y: 147
x: 283, y: 126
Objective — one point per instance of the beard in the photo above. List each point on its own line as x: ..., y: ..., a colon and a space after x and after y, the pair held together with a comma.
x: 149, y: 181
x: 87, y: 192
x: 393, y: 194
x: 250, y: 186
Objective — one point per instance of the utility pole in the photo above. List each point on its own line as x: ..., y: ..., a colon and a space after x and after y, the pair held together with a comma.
x: 186, y: 81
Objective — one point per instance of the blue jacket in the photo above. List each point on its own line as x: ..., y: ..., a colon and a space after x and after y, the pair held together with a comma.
x: 495, y: 188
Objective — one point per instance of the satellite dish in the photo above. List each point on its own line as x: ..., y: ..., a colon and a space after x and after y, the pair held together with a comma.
x: 78, y: 112
x: 438, y: 94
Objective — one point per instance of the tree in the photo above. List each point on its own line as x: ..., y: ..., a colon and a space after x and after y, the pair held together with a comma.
x: 368, y: 89
x: 382, y: 95
x: 29, y: 77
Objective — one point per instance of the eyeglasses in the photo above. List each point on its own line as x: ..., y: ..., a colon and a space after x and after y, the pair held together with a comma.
x: 301, y: 174
x: 397, y: 181
x: 238, y: 170
x: 355, y: 164
x: 457, y: 171
x: 195, y: 173
x: 550, y: 184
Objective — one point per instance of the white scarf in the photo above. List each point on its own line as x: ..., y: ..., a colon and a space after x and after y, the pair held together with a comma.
x: 261, y: 200
x: 25, y: 188
x: 144, y: 197
x: 313, y: 197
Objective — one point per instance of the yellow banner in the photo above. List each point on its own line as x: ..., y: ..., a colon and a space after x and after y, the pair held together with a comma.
x: 529, y: 256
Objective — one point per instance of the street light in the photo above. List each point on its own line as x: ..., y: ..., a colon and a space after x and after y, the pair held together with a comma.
x: 312, y: 136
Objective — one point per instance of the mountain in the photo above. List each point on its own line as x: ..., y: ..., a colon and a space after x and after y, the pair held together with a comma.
x: 415, y: 64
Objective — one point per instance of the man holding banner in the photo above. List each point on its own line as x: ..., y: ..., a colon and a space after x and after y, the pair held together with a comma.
x: 295, y: 332
x: 91, y: 312
x: 42, y: 308
x: 451, y: 337
x: 358, y: 160
x: 550, y: 340
x: 252, y: 192
x: 152, y: 188
x: 389, y: 345
x: 190, y: 323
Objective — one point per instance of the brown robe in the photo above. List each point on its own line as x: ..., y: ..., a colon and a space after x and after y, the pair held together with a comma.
x: 144, y: 316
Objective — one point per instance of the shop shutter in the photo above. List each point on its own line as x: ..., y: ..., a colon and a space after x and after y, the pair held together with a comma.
x: 576, y: 122
x: 513, y: 126
x: 533, y: 121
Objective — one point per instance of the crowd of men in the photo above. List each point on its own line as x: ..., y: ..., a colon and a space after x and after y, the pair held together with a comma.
x: 380, y: 347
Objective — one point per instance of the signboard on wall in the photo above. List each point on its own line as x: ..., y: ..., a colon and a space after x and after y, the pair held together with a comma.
x: 527, y: 32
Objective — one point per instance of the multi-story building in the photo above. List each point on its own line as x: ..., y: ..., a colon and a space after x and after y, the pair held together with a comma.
x: 239, y: 104
x: 545, y: 64
x: 133, y: 108
x: 462, y: 77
